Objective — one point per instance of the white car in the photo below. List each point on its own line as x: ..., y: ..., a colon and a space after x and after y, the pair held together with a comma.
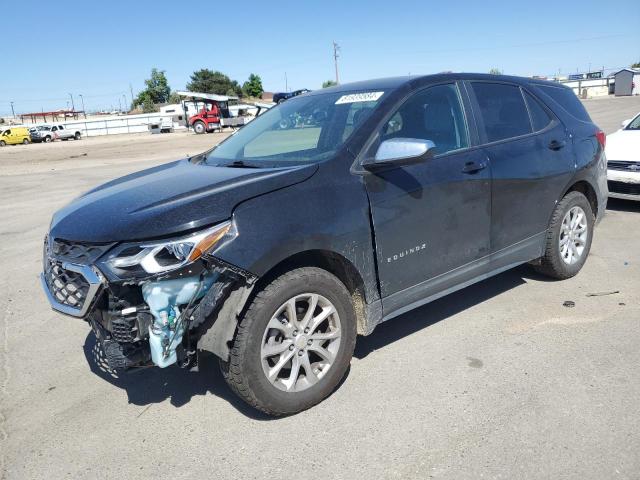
x: 623, y: 156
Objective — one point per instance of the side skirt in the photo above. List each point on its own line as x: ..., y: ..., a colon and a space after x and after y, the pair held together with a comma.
x: 405, y: 300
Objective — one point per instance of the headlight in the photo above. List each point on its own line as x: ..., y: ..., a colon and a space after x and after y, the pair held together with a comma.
x: 165, y: 255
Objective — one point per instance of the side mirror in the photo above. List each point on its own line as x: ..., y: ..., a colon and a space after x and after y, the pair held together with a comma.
x: 626, y: 122
x: 401, y: 151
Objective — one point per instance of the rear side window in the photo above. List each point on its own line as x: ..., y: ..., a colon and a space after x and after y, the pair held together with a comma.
x: 503, y: 110
x: 539, y: 116
x: 567, y: 100
x: 433, y: 114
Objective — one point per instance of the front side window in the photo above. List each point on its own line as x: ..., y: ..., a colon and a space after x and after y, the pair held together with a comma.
x: 432, y: 114
x: 304, y: 129
x: 503, y: 110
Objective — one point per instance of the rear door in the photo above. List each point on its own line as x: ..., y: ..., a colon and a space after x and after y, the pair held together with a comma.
x: 432, y: 217
x: 528, y: 148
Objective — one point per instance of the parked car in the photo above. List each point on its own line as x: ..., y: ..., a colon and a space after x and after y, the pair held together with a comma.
x: 275, y: 248
x: 49, y: 133
x: 14, y: 136
x: 623, y: 155
x: 282, y: 96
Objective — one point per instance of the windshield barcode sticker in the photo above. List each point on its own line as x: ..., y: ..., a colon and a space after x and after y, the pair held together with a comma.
x: 359, y: 97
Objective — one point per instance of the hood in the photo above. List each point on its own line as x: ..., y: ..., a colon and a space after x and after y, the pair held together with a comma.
x: 167, y: 200
x: 623, y: 145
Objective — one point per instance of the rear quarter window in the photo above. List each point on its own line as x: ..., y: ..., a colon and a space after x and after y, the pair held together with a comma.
x: 539, y: 116
x: 567, y: 100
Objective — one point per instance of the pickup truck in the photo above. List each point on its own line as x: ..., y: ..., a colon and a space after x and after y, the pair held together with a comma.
x: 49, y: 133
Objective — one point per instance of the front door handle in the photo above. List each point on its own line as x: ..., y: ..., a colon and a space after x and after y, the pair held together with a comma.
x: 557, y: 144
x: 474, y: 167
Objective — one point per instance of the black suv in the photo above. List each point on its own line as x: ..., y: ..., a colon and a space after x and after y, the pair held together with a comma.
x: 276, y: 248
x: 282, y: 96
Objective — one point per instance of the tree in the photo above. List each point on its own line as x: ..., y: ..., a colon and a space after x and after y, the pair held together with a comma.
x: 157, y: 90
x: 328, y: 83
x: 495, y: 71
x: 148, y: 106
x: 635, y: 65
x: 253, y: 86
x: 208, y: 81
x: 174, y: 98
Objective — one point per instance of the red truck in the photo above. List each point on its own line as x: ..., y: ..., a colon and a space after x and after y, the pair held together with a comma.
x: 212, y: 112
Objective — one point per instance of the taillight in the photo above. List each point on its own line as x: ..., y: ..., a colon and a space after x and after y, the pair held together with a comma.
x: 602, y: 138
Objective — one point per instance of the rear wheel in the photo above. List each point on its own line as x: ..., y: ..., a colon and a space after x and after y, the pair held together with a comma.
x: 199, y: 127
x: 47, y: 139
x: 77, y: 136
x: 568, y: 238
x: 294, y: 343
x: 2, y: 143
x: 25, y: 141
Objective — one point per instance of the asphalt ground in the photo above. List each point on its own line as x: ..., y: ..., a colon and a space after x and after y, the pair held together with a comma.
x: 499, y: 380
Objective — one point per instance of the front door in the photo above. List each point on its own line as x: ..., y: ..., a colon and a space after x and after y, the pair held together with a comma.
x: 430, y: 218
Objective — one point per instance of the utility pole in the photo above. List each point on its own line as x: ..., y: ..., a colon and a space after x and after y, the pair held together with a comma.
x: 12, y: 111
x: 286, y: 83
x: 83, y: 110
x: 73, y: 107
x: 131, y: 90
x: 336, y: 49
x: 124, y: 97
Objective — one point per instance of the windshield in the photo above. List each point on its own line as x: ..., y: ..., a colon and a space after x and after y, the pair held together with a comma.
x: 305, y: 129
x: 634, y: 124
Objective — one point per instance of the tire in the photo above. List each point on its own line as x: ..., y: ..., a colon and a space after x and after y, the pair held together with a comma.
x: 77, y: 136
x: 2, y: 143
x: 554, y: 262
x: 47, y: 139
x: 199, y: 128
x: 26, y: 141
x: 246, y: 370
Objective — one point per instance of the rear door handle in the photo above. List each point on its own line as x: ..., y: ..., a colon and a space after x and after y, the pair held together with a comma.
x: 557, y: 144
x: 474, y: 167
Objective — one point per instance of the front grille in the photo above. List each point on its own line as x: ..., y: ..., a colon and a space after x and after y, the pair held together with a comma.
x: 623, y: 165
x: 624, y: 188
x: 124, y: 329
x: 78, y: 252
x: 67, y: 287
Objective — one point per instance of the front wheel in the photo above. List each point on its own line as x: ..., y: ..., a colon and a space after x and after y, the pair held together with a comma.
x: 47, y: 139
x: 25, y: 141
x: 294, y: 344
x: 2, y: 143
x: 77, y: 136
x: 569, y: 237
x: 199, y: 127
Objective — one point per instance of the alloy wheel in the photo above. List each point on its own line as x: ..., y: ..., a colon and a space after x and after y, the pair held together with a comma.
x: 301, y: 342
x: 573, y: 235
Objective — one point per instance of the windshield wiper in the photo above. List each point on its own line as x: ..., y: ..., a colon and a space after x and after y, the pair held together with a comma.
x: 238, y: 164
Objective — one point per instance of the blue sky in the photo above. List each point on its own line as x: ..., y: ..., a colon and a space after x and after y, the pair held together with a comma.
x: 98, y: 49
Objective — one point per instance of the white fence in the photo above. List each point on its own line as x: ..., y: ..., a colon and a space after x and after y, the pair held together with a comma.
x: 93, y: 127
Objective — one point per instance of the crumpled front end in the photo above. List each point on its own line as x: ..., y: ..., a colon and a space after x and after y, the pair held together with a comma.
x: 142, y: 318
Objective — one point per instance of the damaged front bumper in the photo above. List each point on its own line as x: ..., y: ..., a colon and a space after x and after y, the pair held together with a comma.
x: 161, y: 319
